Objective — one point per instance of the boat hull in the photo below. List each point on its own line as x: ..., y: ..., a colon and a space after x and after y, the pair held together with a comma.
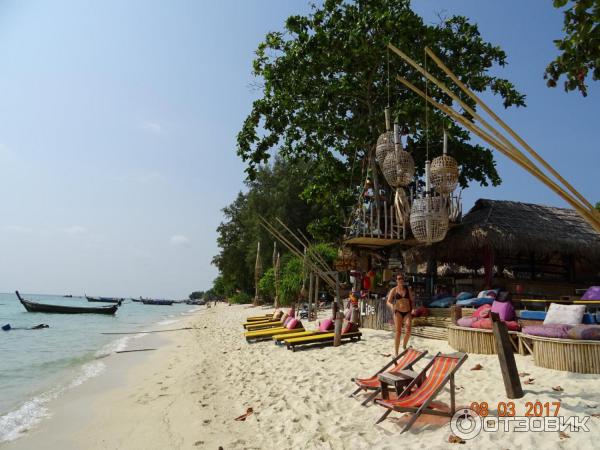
x: 60, y: 309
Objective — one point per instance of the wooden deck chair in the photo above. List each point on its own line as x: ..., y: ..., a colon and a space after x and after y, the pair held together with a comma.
x: 404, y: 361
x: 433, y: 379
x: 321, y: 338
x: 268, y: 333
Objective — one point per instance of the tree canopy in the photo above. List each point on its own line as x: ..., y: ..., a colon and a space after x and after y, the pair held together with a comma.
x: 580, y: 47
x: 324, y: 89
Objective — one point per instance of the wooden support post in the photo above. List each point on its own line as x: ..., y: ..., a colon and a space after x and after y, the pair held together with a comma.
x: 385, y: 220
x: 337, y: 316
x: 317, y: 281
x: 455, y: 314
x: 310, y: 293
x: 508, y: 366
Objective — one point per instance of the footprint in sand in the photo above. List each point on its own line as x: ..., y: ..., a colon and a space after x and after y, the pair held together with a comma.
x: 206, y: 421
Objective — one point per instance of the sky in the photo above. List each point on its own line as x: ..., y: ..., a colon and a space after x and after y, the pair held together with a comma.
x: 118, y: 122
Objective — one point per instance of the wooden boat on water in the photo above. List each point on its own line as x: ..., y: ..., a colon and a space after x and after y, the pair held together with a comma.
x: 157, y: 302
x: 60, y: 309
x: 105, y: 299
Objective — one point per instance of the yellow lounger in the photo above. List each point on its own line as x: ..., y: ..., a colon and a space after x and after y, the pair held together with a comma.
x: 260, y: 325
x: 279, y: 338
x: 255, y: 318
x: 268, y: 334
x: 322, y: 339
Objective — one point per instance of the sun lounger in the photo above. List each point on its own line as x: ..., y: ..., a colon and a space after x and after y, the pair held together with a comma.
x: 321, y: 338
x: 259, y: 318
x: 404, y: 361
x: 418, y: 395
x: 260, y: 325
x: 269, y: 333
x: 280, y: 338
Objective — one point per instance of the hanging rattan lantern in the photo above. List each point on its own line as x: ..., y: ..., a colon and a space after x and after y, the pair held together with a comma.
x: 429, y: 215
x: 398, y: 166
x: 444, y: 171
x: 385, y: 141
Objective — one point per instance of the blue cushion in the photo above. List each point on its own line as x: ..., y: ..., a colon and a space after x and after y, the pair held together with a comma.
x: 483, y: 301
x: 442, y: 302
x: 466, y: 302
x: 597, y: 317
x: 589, y: 319
x: 464, y: 296
x: 532, y: 315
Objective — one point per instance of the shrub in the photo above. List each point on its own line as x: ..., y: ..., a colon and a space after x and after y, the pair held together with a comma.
x: 240, y: 297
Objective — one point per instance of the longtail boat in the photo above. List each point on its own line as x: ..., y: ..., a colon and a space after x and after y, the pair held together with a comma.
x: 60, y: 309
x: 105, y: 299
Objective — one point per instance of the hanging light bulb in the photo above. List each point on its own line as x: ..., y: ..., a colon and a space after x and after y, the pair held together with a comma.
x: 429, y: 215
x: 444, y: 171
x: 385, y: 141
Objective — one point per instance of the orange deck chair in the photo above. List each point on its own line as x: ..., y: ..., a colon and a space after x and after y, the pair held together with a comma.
x: 404, y: 361
x: 433, y: 379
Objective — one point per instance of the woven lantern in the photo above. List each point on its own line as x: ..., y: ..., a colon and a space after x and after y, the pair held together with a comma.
x: 444, y: 171
x: 398, y: 166
x: 385, y: 141
x: 429, y: 215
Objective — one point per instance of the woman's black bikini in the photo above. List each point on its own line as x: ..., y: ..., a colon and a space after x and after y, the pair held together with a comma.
x: 403, y: 314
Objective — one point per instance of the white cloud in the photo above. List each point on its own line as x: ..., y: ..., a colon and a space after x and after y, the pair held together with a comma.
x: 75, y: 230
x: 179, y: 240
x: 153, y: 127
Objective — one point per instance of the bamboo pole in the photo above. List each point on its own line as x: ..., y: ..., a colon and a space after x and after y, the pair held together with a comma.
x: 584, y: 208
x: 385, y: 221
x: 278, y: 235
x: 508, y: 129
x: 526, y: 164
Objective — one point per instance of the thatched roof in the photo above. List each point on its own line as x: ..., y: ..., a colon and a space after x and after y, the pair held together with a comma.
x: 512, y: 228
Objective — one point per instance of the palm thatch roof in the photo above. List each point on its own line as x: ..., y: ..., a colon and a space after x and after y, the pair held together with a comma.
x: 513, y: 228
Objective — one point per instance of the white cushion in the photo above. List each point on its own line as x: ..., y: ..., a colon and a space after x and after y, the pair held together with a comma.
x: 564, y: 314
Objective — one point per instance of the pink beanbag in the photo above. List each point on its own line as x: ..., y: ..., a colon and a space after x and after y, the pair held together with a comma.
x: 465, y: 322
x: 483, y: 312
x: 485, y: 324
x: 505, y: 310
x: 326, y: 325
x: 554, y: 331
x: 292, y: 324
x: 349, y: 327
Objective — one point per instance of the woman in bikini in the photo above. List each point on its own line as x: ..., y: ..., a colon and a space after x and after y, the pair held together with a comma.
x: 400, y: 301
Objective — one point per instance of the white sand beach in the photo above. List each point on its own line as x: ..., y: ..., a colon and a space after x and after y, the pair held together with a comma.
x: 186, y: 394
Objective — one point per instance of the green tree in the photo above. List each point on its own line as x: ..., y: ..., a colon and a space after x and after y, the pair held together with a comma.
x: 267, y: 284
x: 580, y: 47
x: 324, y: 91
x: 598, y: 206
x: 292, y: 278
x: 274, y: 192
x: 196, y: 295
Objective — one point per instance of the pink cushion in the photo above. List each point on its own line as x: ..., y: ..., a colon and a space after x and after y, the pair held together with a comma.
x: 552, y: 331
x: 292, y: 324
x: 482, y: 312
x: 286, y: 321
x: 505, y: 311
x: 485, y: 324
x: 326, y: 325
x: 512, y: 325
x: 349, y: 327
x: 465, y: 322
x: 593, y: 293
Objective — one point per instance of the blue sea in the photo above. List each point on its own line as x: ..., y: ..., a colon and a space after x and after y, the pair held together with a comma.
x: 37, y: 366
